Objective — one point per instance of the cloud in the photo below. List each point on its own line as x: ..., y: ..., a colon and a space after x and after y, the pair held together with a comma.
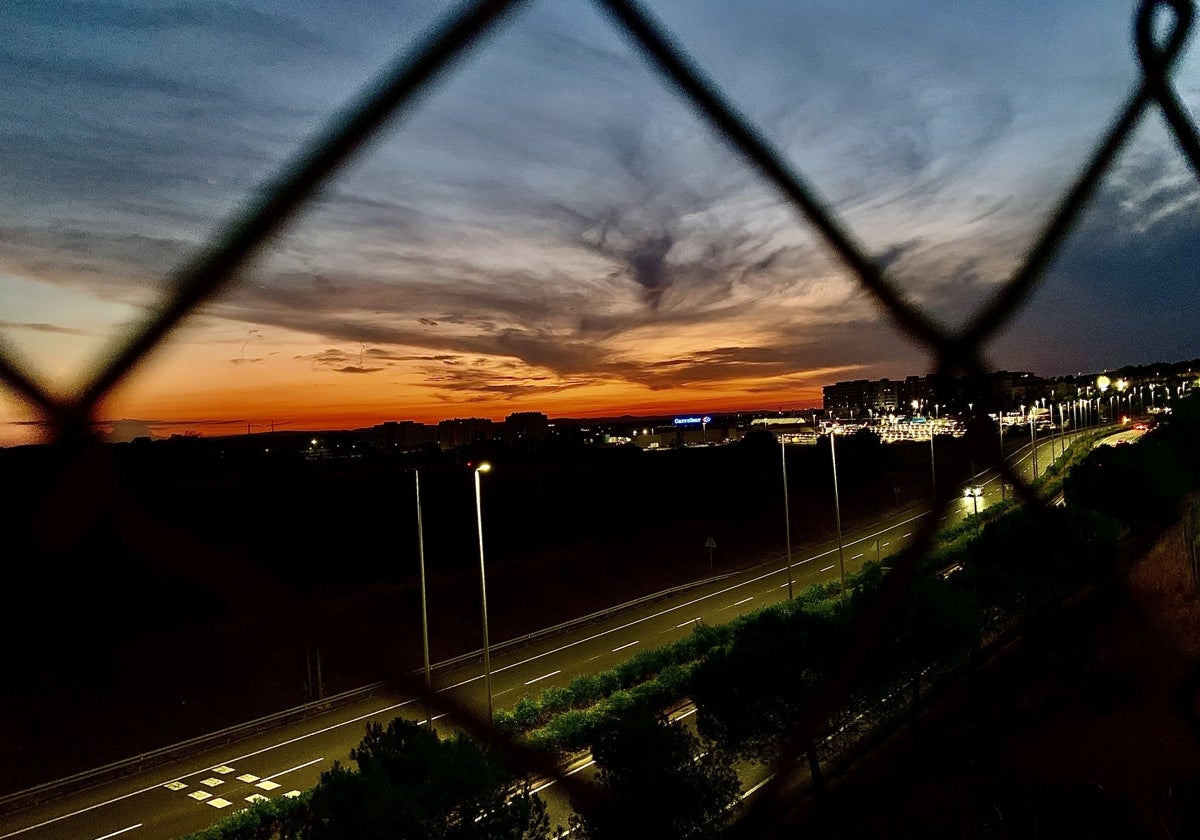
x: 123, y: 431
x: 339, y: 361
x: 552, y: 216
x: 34, y: 326
x: 1124, y: 286
x: 126, y: 267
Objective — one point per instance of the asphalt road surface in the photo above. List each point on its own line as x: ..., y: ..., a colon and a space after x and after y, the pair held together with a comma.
x: 173, y: 799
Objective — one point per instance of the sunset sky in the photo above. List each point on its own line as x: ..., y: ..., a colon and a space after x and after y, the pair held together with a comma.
x: 550, y: 227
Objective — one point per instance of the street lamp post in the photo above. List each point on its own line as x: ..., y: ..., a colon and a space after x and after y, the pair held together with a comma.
x: 1033, y: 441
x: 1000, y: 429
x: 975, y: 491
x: 837, y: 512
x: 1042, y: 400
x: 932, y: 467
x: 1062, y: 431
x: 424, y: 612
x: 787, y: 524
x: 487, y: 654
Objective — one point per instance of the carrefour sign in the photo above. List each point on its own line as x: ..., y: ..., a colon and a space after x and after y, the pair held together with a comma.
x: 692, y: 421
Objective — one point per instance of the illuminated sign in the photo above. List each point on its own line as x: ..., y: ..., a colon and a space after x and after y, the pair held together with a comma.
x: 692, y: 421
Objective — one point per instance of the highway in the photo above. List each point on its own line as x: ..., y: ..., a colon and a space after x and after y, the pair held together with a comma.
x: 173, y: 799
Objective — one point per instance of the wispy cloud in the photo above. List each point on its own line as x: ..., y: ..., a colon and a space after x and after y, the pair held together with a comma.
x: 552, y: 218
x: 41, y: 328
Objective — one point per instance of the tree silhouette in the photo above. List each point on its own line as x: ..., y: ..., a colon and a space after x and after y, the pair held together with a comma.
x: 660, y: 780
x: 411, y: 784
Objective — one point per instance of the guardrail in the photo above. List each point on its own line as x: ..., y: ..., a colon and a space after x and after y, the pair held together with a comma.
x: 20, y: 800
x: 48, y: 791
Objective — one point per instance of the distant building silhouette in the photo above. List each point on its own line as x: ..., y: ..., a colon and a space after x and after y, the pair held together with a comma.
x: 932, y: 394
x: 452, y: 434
x: 403, y: 434
x: 526, y: 425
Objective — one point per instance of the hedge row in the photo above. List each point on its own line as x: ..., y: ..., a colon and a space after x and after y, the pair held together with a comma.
x: 583, y: 699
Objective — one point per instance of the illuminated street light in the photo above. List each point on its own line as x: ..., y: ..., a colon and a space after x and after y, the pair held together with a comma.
x: 787, y: 525
x: 837, y: 512
x: 1033, y: 441
x: 487, y: 660
x: 973, y: 493
x: 1062, y: 431
x: 1000, y: 429
x: 424, y: 612
x: 932, y: 467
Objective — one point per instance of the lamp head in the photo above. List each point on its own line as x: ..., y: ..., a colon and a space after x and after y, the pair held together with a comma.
x: 484, y: 467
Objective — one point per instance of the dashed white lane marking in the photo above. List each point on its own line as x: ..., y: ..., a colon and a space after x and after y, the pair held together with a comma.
x: 686, y: 623
x: 827, y: 568
x: 622, y: 647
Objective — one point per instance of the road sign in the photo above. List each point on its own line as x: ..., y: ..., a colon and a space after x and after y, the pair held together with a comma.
x: 710, y: 543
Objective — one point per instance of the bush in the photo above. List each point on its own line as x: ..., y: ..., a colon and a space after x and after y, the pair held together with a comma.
x: 526, y: 713
x: 284, y: 818
x: 571, y: 731
x: 585, y: 690
x: 554, y: 700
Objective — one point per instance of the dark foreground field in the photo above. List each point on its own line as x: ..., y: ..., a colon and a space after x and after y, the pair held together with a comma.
x: 168, y: 590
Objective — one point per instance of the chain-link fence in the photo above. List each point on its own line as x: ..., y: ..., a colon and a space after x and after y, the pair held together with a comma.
x: 958, y: 352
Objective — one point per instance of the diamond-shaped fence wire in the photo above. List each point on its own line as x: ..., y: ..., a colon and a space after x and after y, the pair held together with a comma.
x: 958, y: 352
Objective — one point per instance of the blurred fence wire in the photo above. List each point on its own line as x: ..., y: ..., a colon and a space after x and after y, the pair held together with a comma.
x: 956, y: 351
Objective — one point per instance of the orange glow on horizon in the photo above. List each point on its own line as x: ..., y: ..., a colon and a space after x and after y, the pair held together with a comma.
x: 230, y: 418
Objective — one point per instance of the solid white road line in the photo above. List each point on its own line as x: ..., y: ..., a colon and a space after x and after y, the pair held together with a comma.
x: 122, y: 831
x: 290, y: 769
